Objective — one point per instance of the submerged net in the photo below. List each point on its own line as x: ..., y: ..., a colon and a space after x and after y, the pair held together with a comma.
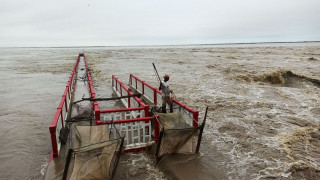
x: 182, y: 141
x: 177, y: 135
x: 94, y: 155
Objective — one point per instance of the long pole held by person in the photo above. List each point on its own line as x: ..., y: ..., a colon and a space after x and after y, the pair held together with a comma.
x: 154, y: 66
x: 155, y: 69
x: 164, y: 87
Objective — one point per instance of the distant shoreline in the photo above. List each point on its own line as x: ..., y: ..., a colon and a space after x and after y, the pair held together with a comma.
x: 246, y: 43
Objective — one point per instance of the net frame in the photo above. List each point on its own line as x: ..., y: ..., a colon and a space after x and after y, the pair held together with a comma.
x: 102, y: 146
x: 198, y: 131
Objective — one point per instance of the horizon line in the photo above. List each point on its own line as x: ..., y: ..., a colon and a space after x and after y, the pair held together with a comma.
x: 195, y: 44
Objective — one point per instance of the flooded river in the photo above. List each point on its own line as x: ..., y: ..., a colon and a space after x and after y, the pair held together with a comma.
x: 263, y: 99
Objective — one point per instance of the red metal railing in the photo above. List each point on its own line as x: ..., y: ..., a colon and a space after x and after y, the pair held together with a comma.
x: 62, y: 111
x: 195, y: 114
x: 146, y: 120
x: 146, y: 89
x: 92, y: 93
x: 136, y: 112
x: 122, y: 90
x: 132, y: 104
x: 154, y: 95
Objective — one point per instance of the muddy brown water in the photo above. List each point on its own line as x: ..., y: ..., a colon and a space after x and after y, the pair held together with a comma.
x: 263, y: 100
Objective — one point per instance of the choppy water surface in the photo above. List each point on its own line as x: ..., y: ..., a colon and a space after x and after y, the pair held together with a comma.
x: 263, y: 100
x: 32, y: 83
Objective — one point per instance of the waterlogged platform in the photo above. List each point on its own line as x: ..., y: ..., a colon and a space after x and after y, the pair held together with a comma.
x: 80, y: 149
x: 86, y: 139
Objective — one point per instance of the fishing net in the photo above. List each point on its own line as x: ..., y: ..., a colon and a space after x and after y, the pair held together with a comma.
x: 93, y: 155
x: 177, y: 136
x: 81, y: 110
x: 173, y: 120
x: 178, y: 141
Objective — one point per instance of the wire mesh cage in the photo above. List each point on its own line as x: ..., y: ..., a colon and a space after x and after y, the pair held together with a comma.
x: 178, y: 141
x: 177, y: 136
x: 93, y: 154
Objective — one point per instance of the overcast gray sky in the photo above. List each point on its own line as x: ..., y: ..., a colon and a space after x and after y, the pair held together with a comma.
x: 156, y: 22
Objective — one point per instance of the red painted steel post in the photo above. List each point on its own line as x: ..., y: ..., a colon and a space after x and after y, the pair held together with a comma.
x: 71, y: 85
x: 155, y: 97
x: 54, y: 143
x: 112, y: 81
x: 121, y: 90
x: 136, y: 84
x: 97, y: 115
x: 129, y: 104
x: 130, y: 80
x: 195, y: 118
x: 61, y: 114
x: 143, y: 88
x: 96, y: 111
x: 65, y: 101
x: 68, y: 89
x: 146, y: 111
x: 70, y: 81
